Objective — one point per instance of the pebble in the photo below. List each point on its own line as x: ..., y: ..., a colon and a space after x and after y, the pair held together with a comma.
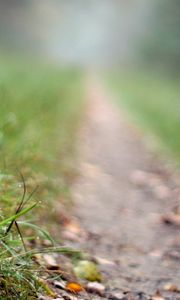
x: 95, y: 288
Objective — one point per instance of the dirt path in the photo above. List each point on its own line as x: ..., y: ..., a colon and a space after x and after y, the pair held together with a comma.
x: 119, y: 197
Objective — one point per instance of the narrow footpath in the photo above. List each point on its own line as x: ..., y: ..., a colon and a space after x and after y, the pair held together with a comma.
x: 120, y: 197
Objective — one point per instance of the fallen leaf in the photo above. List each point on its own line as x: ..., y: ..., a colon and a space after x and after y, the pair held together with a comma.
x: 157, y: 296
x: 104, y: 261
x: 176, y: 209
x: 73, y: 226
x: 171, y: 219
x: 87, y: 270
x: 156, y: 253
x: 172, y: 288
x: 50, y: 260
x: 71, y: 236
x: 38, y: 259
x: 74, y: 287
x: 72, y: 231
x: 59, y: 284
x: 46, y: 288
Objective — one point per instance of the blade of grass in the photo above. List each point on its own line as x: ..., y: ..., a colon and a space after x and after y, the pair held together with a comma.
x: 15, y: 216
x: 37, y: 228
x: 20, y: 234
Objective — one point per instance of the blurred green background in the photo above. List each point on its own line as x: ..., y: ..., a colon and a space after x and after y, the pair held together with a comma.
x: 47, y: 49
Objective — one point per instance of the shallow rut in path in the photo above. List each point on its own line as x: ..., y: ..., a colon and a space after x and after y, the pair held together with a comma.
x: 119, y: 198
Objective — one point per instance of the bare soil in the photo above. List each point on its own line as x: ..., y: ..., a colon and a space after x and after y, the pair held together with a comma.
x: 120, y: 197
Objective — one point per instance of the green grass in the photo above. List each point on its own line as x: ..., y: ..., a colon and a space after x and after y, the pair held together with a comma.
x: 40, y: 109
x: 153, y: 100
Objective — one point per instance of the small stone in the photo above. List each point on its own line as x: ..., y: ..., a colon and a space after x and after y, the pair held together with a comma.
x: 69, y: 297
x: 138, y: 178
x: 95, y: 288
x: 41, y: 297
x: 118, y: 295
x: 59, y: 284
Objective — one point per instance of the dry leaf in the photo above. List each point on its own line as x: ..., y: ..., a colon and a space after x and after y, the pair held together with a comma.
x: 72, y: 231
x: 60, y: 284
x: 104, y: 261
x: 74, y: 287
x: 157, y: 296
x: 50, y: 260
x: 46, y: 288
x: 171, y: 219
x: 73, y: 226
x: 172, y: 288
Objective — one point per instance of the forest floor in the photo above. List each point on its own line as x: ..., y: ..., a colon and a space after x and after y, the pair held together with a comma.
x: 126, y: 204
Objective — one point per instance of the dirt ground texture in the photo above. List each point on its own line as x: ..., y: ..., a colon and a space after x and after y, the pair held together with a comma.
x: 120, y: 197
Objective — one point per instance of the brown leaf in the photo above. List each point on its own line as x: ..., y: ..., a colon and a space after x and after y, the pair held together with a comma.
x: 172, y: 288
x: 73, y: 231
x: 171, y: 219
x: 157, y: 296
x: 73, y: 226
x: 50, y: 260
x: 46, y: 288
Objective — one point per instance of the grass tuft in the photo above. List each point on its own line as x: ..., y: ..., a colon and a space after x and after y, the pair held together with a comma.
x: 40, y: 109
